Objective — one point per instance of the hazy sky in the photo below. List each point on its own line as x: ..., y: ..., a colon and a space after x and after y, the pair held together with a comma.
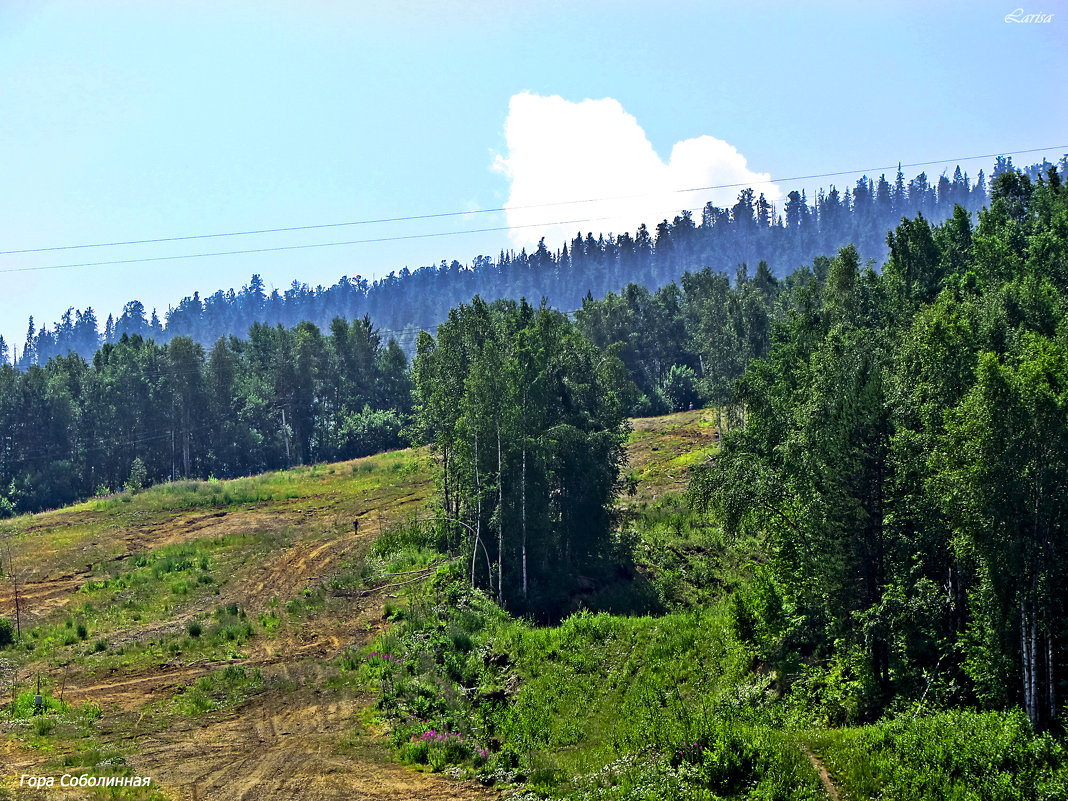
x: 134, y: 120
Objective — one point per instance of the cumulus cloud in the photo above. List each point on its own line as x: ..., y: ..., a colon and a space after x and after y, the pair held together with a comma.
x: 564, y: 151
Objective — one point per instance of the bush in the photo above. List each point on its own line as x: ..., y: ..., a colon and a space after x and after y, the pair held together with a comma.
x: 370, y: 431
x: 138, y: 476
x: 958, y: 754
x: 195, y: 628
x: 437, y: 749
x: 7, y: 632
x: 680, y: 386
x: 649, y: 406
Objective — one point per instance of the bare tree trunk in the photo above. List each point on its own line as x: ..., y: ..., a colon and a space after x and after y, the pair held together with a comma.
x: 1033, y: 662
x: 500, y: 519
x: 489, y: 565
x: 478, y: 525
x: 1049, y: 679
x: 185, y: 453
x: 445, y: 486
x: 524, y: 517
x: 285, y: 433
x: 1026, y: 653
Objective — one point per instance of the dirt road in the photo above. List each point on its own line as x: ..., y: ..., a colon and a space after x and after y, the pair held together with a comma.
x: 303, y: 737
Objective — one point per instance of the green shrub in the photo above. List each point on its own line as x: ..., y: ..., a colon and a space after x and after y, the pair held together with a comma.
x: 971, y: 756
x: 437, y: 749
x: 43, y: 726
x: 138, y: 476
x: 679, y: 387
x: 371, y: 431
x: 7, y: 632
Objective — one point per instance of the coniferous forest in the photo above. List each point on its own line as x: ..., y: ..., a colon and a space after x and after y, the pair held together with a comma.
x: 889, y: 374
x: 408, y: 301
x: 685, y: 309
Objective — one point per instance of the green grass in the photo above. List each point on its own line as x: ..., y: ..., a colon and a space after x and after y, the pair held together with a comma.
x: 48, y: 540
x: 152, y: 587
x: 697, y: 701
x: 297, y: 483
x: 598, y: 706
x: 136, y: 610
x: 672, y: 685
x: 956, y: 755
x: 231, y: 686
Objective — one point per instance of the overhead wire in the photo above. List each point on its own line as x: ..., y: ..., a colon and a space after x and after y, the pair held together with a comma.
x: 306, y: 246
x: 464, y: 213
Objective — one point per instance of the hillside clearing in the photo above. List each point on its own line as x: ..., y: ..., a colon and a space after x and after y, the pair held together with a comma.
x: 112, y: 591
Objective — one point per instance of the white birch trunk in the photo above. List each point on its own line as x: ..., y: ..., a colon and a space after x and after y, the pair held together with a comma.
x: 1033, y: 663
x: 1026, y: 654
x: 478, y: 523
x: 500, y: 519
x: 1049, y: 679
x: 524, y: 518
x: 1023, y: 654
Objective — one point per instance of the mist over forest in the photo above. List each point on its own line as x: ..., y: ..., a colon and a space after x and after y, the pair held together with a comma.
x: 407, y: 301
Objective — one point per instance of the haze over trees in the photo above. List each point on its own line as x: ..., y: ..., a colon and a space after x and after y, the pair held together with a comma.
x: 407, y: 301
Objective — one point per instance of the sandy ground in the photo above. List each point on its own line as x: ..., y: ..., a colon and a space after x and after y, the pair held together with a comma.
x: 297, y: 740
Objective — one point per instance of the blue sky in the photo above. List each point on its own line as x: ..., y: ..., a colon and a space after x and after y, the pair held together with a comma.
x: 133, y: 120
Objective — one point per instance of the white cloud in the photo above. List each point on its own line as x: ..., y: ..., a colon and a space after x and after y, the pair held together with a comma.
x: 561, y: 151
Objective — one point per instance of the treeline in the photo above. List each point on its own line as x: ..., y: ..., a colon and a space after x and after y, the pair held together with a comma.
x: 406, y: 302
x: 141, y: 412
x: 903, y: 443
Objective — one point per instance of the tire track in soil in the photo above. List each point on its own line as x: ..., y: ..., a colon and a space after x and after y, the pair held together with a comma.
x: 283, y: 744
x: 286, y: 747
x: 825, y: 777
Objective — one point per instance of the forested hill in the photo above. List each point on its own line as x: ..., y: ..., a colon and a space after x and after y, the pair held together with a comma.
x: 405, y: 302
x: 144, y: 411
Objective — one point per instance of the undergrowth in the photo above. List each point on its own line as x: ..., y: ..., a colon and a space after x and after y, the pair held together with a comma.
x: 702, y: 699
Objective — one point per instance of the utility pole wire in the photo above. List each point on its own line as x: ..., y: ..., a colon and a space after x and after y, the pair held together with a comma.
x: 295, y: 247
x: 500, y: 209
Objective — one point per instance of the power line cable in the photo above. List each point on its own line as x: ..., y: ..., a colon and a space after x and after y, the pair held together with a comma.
x: 402, y: 237
x: 440, y: 215
x: 295, y: 247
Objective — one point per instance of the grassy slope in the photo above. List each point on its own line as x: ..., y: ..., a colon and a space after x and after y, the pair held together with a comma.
x: 169, y: 609
x: 679, y: 705
x: 201, y: 598
x: 269, y: 573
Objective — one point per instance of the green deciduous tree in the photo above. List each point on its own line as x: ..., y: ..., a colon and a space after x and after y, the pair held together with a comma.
x: 527, y: 418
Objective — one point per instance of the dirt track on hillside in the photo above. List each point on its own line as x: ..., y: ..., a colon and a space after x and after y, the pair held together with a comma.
x: 299, y: 739
x: 299, y: 745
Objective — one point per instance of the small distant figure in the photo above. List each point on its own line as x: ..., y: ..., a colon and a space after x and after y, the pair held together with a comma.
x: 356, y: 526
x: 691, y: 406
